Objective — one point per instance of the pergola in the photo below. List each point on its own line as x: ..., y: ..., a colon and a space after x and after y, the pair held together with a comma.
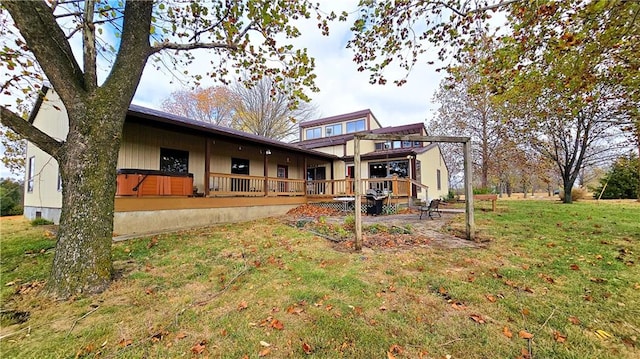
x: 468, y: 191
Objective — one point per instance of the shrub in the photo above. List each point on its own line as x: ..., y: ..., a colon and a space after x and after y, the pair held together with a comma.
x: 40, y: 222
x: 622, y: 180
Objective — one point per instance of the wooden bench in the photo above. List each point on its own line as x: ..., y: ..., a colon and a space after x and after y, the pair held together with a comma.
x: 431, y: 209
x: 487, y: 197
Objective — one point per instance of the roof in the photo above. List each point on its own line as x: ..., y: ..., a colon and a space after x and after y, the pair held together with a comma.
x: 342, y: 139
x: 187, y: 123
x: 394, y: 153
x: 338, y: 118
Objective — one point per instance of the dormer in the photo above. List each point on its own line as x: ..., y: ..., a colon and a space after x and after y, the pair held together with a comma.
x: 338, y: 125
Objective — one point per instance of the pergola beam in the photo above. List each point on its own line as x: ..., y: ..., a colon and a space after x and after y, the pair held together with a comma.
x: 468, y: 191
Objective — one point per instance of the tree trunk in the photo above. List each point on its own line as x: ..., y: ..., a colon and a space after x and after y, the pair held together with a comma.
x: 568, y: 186
x: 82, y: 262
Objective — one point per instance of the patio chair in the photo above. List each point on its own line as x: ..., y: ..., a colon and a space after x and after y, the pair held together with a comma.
x: 431, y: 209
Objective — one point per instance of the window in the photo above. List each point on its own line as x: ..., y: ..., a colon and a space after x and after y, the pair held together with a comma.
x: 314, y: 133
x: 397, y: 144
x: 381, y: 146
x: 239, y: 166
x: 417, y: 144
x: 31, y: 172
x: 406, y: 144
x: 59, y: 182
x: 438, y: 180
x: 333, y: 130
x: 174, y: 161
x: 355, y: 126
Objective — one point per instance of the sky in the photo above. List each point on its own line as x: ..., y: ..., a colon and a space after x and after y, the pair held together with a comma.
x: 342, y: 88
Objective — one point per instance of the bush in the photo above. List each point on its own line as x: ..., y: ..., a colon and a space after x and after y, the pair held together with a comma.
x: 10, y: 197
x: 576, y: 194
x: 622, y: 180
x: 40, y: 222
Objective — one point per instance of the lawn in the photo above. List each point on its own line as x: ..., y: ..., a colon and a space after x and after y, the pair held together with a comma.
x: 551, y: 280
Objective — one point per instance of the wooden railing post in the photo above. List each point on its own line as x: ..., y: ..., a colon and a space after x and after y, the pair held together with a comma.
x: 394, y: 185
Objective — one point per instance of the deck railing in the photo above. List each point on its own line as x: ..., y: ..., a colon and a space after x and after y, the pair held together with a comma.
x: 396, y: 186
x: 222, y: 184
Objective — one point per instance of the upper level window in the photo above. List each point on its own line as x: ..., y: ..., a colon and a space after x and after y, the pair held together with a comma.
x: 397, y: 144
x: 175, y: 161
x: 31, y: 172
x: 406, y: 144
x: 381, y: 146
x: 333, y: 130
x: 355, y: 126
x: 314, y: 133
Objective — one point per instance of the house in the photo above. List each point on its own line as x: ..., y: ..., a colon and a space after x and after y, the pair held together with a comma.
x: 421, y: 165
x: 174, y: 172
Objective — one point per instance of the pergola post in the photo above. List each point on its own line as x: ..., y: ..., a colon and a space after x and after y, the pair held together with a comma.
x: 465, y: 141
x: 468, y: 191
x: 357, y: 194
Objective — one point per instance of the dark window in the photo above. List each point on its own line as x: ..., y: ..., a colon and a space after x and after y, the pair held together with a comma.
x: 333, y: 130
x: 31, y: 172
x: 417, y: 144
x: 377, y: 170
x: 59, y: 182
x: 355, y: 126
x: 406, y: 144
x: 239, y: 166
x: 174, y: 161
x: 438, y: 180
x: 314, y: 133
x: 382, y: 169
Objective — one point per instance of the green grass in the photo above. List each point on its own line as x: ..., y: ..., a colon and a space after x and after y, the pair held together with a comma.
x: 545, y: 268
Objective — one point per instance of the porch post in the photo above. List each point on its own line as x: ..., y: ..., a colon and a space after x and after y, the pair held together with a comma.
x: 468, y: 191
x: 207, y: 165
x: 357, y: 194
x: 266, y: 173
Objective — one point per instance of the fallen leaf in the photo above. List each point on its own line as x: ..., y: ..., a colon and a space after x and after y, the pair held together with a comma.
x: 295, y: 310
x: 276, y: 324
x: 458, y: 306
x: 507, y: 333
x: 597, y: 280
x: 383, y: 308
x: 199, y: 348
x: 525, y: 311
x: 588, y: 298
x: 264, y: 344
x: 125, y: 342
x: 525, y: 335
x: 574, y: 267
x: 396, y: 349
x: 442, y: 291
x: 471, y: 279
x: 181, y: 335
x: 153, y: 242
x: 574, y: 320
x: 491, y: 298
x: 264, y: 352
x: 243, y: 305
x: 525, y: 266
x: 477, y: 318
x: 390, y: 355
x: 306, y: 348
x: 223, y: 332
x: 559, y: 337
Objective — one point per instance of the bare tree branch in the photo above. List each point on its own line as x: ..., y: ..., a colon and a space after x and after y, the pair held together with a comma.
x: 27, y: 130
x: 192, y: 46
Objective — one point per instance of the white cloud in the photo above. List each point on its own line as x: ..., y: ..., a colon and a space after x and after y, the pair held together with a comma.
x: 342, y: 88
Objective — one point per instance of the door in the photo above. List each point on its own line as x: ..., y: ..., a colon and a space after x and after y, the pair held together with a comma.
x: 283, y: 172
